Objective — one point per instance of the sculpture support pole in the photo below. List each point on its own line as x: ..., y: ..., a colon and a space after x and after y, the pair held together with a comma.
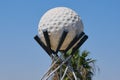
x: 75, y: 44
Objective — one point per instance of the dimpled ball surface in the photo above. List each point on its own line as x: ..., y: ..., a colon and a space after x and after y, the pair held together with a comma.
x: 55, y: 21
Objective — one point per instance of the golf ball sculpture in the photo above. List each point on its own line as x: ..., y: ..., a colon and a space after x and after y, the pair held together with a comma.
x: 56, y: 20
x: 60, y: 29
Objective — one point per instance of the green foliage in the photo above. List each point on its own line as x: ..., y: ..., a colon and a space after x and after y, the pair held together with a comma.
x: 82, y: 65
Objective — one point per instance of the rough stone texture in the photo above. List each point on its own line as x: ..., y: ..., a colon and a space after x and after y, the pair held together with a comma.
x: 55, y: 21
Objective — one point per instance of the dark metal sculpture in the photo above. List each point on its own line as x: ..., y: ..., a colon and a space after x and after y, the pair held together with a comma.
x: 74, y: 45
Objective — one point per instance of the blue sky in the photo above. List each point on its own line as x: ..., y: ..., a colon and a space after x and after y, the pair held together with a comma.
x: 21, y: 58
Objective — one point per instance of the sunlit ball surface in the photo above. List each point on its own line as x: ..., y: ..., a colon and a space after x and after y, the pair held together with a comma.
x: 55, y: 21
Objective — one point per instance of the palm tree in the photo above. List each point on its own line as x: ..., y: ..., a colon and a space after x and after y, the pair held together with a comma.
x: 85, y: 66
x: 82, y: 65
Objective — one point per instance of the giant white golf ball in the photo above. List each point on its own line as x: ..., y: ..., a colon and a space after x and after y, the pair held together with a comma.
x: 55, y: 21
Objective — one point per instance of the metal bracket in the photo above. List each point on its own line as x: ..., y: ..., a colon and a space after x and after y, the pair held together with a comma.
x: 74, y: 44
